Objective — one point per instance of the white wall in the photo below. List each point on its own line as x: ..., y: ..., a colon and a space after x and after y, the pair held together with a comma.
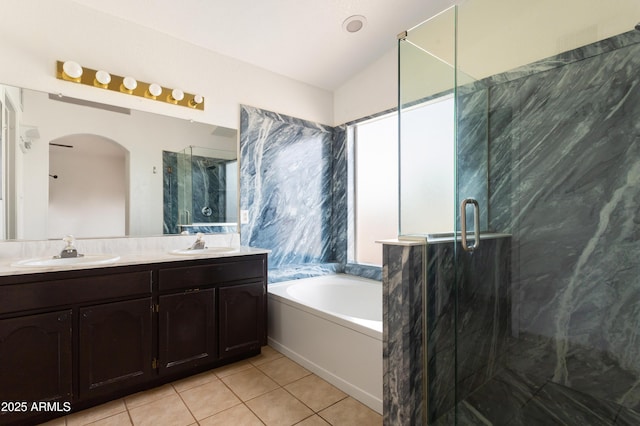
x: 535, y: 30
x: 88, y: 197
x: 12, y: 164
x: 369, y: 92
x: 36, y: 33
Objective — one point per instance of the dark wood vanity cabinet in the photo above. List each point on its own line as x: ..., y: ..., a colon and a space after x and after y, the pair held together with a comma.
x: 241, y: 312
x: 35, y: 361
x: 236, y: 321
x: 84, y: 337
x: 187, y: 327
x: 115, y: 346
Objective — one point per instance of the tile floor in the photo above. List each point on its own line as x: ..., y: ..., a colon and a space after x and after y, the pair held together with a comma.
x: 268, y: 389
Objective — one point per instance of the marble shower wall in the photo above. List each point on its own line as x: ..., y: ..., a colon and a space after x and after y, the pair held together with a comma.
x: 565, y: 182
x: 403, y: 308
x: 474, y: 333
x: 481, y: 285
x: 170, y: 188
x: 293, y: 184
x: 472, y: 153
x: 208, y: 194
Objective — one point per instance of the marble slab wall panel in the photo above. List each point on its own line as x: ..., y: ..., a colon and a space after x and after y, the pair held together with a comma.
x: 365, y: 271
x: 170, y: 189
x: 208, y: 193
x: 484, y: 312
x: 208, y: 187
x: 472, y: 154
x: 466, y: 343
x: 339, y: 195
x: 565, y: 181
x: 403, y: 337
x: 440, y: 313
x: 293, y: 183
x: 308, y: 270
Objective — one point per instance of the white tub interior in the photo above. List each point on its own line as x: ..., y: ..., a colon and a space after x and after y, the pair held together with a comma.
x: 332, y: 325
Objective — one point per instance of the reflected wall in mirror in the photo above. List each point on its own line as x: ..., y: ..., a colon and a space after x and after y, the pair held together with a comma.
x: 200, y: 191
x: 88, y: 169
x: 87, y: 186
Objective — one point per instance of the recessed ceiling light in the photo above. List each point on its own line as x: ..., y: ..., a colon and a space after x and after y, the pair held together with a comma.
x: 354, y: 23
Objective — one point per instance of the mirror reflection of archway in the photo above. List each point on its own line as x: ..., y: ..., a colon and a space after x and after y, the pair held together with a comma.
x: 87, y: 187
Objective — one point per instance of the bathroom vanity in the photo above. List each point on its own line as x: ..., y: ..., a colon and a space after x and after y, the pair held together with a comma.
x: 76, y: 338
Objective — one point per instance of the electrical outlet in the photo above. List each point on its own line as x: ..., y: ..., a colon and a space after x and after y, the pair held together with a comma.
x: 244, y: 217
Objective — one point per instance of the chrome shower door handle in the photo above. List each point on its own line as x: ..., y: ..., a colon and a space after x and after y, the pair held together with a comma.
x: 476, y: 224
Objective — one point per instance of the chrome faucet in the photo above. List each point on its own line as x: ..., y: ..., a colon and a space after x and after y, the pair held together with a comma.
x: 69, y: 250
x: 199, y: 243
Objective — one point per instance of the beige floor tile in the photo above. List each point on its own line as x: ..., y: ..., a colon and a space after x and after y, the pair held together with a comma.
x: 208, y: 399
x: 91, y: 415
x: 234, y: 368
x: 166, y: 411
x: 193, y: 381
x: 315, y: 392
x: 60, y: 421
x: 279, y: 408
x: 313, y: 421
x: 145, y: 397
x: 121, y: 419
x: 239, y: 415
x: 350, y: 412
x: 267, y: 353
x: 283, y: 371
x: 249, y: 383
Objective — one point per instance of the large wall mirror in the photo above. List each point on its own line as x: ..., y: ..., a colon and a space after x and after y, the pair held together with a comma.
x: 93, y: 170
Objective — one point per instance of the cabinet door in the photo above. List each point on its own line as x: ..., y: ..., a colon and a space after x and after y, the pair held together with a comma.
x: 241, y: 318
x: 115, y: 346
x: 35, y: 359
x: 187, y: 330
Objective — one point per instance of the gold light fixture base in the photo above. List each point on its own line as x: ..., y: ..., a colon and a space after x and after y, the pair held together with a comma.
x: 88, y: 78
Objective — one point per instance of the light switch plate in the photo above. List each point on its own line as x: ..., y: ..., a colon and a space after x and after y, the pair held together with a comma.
x: 244, y: 217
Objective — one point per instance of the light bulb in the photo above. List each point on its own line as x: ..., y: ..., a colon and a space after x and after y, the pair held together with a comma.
x: 103, y: 79
x: 176, y: 96
x: 197, y: 100
x: 129, y: 84
x: 71, y: 71
x: 154, y: 90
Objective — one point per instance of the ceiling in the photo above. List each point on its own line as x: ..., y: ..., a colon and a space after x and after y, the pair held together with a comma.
x: 300, y: 39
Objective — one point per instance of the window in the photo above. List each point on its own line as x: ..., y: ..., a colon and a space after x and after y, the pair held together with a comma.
x: 426, y: 203
x: 427, y: 199
x: 375, y: 188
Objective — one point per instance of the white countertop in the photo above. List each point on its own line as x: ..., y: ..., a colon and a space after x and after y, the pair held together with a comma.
x: 131, y: 251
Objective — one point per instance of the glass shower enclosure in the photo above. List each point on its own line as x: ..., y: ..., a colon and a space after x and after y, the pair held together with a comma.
x: 200, y: 191
x: 520, y: 168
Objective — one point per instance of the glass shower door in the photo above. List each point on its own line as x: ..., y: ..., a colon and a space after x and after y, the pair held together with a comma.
x: 548, y: 304
x: 427, y: 126
x: 537, y: 319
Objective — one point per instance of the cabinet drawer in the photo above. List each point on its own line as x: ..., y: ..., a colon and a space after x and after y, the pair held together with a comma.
x: 204, y: 275
x: 42, y: 294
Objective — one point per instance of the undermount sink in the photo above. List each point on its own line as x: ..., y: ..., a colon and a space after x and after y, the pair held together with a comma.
x: 204, y: 251
x: 86, y: 260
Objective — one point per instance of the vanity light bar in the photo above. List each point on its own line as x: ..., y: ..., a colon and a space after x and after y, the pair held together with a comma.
x: 72, y: 71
